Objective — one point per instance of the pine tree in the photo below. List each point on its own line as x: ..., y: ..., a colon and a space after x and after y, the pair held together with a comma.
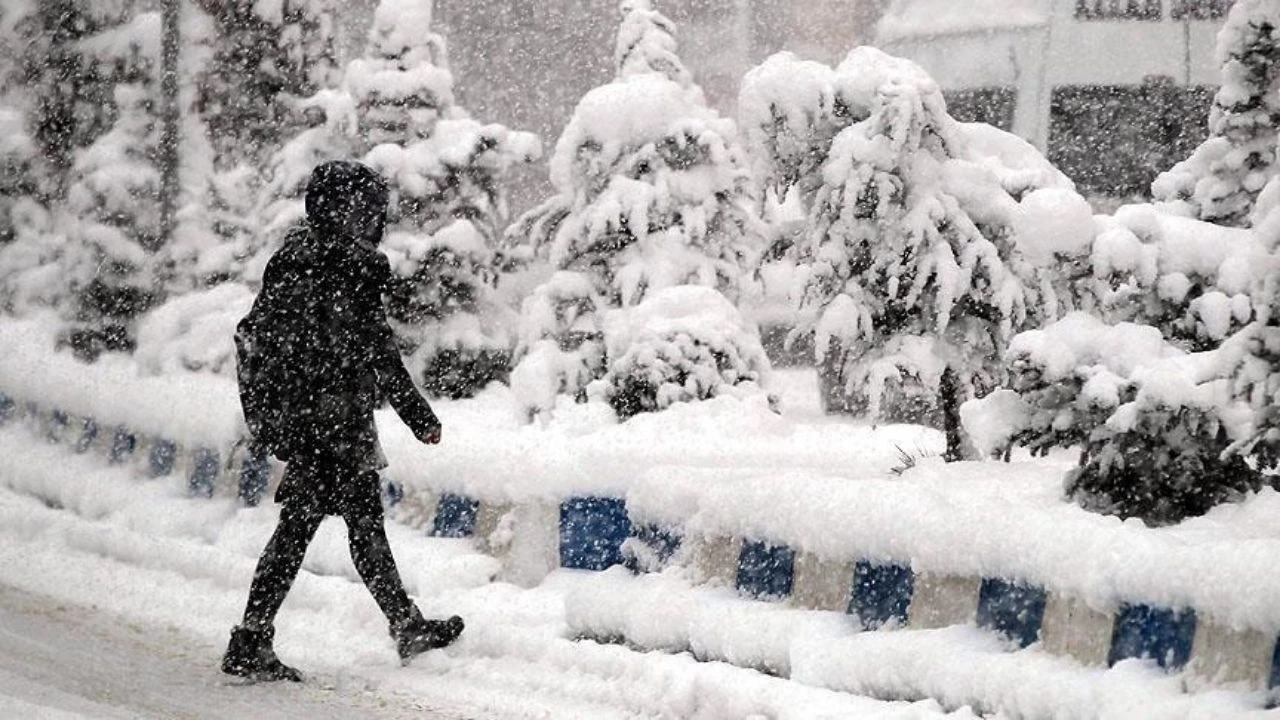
x: 445, y: 172
x: 652, y: 187
x: 917, y: 278
x: 109, y: 263
x: 1221, y: 181
x: 268, y: 55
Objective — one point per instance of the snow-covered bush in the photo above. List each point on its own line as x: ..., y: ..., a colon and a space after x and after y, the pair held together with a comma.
x: 1221, y: 180
x: 681, y: 344
x: 652, y: 187
x: 446, y: 173
x: 1190, y: 279
x: 1155, y: 425
x: 928, y: 243
x: 445, y: 311
x: 17, y: 178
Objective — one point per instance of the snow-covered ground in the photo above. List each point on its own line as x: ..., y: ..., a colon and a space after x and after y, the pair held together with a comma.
x: 116, y: 595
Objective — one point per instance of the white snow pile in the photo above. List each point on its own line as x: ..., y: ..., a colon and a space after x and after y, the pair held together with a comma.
x: 193, y: 332
x: 980, y: 519
x: 192, y: 409
x: 681, y: 344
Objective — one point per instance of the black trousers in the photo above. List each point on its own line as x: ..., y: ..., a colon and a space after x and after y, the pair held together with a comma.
x: 300, y: 518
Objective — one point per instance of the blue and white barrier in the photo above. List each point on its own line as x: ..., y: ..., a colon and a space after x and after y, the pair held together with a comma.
x: 877, y: 591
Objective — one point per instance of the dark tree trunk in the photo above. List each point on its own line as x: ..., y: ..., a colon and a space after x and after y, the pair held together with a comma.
x: 949, y: 392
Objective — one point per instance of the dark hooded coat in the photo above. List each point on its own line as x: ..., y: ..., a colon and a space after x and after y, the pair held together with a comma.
x: 320, y: 313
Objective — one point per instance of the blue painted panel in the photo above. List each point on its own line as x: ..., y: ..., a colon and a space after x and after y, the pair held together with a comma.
x: 1011, y: 609
x: 592, y: 530
x: 392, y: 493
x: 88, y: 434
x: 1142, y: 631
x: 663, y: 542
x: 766, y: 571
x: 881, y: 593
x: 58, y: 422
x: 163, y: 454
x: 123, y: 443
x: 7, y: 407
x: 204, y: 472
x: 255, y: 473
x: 1275, y: 666
x: 455, y: 516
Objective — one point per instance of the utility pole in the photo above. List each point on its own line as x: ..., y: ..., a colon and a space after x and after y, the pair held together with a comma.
x: 170, y: 116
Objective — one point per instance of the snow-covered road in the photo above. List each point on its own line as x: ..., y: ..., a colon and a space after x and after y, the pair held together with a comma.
x: 116, y: 595
x: 59, y: 660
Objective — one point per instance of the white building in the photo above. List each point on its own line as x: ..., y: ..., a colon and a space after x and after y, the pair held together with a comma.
x: 1105, y: 87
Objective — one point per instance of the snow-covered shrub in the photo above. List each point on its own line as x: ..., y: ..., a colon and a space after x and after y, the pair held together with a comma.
x: 1190, y: 279
x: 446, y: 172
x: 445, y: 311
x: 1251, y: 359
x: 1155, y: 425
x: 561, y: 343
x: 927, y: 241
x: 653, y: 189
x: 1221, y: 180
x: 681, y: 344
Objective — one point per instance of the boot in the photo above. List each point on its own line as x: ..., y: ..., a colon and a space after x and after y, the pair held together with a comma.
x: 250, y: 655
x: 416, y: 635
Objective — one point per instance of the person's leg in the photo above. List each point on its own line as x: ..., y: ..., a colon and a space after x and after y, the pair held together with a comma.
x: 251, y: 653
x: 278, y: 567
x: 371, y: 553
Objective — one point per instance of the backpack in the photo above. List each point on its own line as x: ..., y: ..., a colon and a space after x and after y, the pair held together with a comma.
x: 284, y: 366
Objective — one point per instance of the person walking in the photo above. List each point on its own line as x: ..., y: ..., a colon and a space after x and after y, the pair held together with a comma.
x: 315, y: 356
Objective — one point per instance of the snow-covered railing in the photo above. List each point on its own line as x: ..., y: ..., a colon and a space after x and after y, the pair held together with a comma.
x: 968, y: 544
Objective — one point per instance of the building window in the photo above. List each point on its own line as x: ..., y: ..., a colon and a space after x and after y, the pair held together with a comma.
x: 1118, y: 9
x: 990, y: 105
x: 1201, y: 9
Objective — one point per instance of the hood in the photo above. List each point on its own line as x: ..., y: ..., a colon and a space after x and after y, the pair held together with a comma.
x: 347, y: 201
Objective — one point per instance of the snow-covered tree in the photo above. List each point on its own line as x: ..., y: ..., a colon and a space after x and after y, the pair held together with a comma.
x: 1221, y: 180
x: 445, y: 172
x: 925, y: 253
x: 267, y: 55
x: 17, y: 174
x: 653, y: 189
x: 109, y: 267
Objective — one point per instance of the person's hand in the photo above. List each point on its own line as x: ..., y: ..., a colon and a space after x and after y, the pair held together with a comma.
x: 430, y: 435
